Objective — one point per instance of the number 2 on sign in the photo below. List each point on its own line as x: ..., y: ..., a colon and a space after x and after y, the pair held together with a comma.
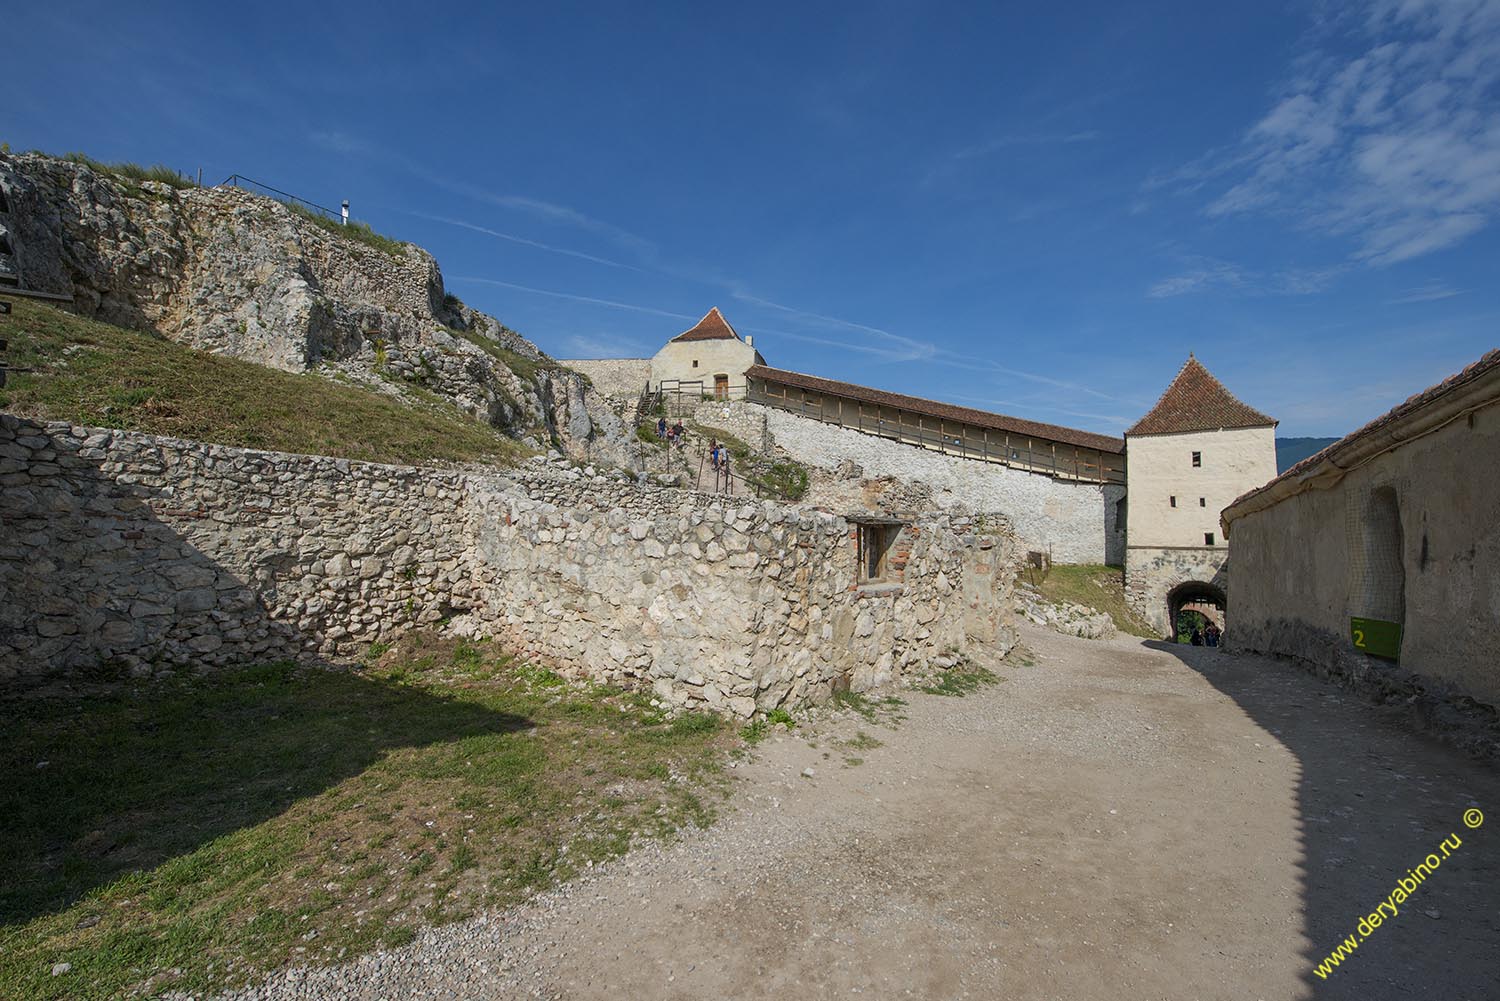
x: 1359, y: 638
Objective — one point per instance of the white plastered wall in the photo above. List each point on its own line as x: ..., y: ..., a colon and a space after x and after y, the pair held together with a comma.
x: 1160, y: 467
x: 714, y: 357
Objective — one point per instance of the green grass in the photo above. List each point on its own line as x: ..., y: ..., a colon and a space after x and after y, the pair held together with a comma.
x: 786, y: 479
x: 526, y: 368
x: 884, y: 709
x: 191, y: 834
x: 964, y: 679
x: 359, y: 232
x: 96, y: 374
x: 134, y: 172
x: 1100, y: 587
x: 738, y: 449
x: 758, y: 730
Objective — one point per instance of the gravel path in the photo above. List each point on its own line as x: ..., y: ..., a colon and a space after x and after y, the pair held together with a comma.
x: 1117, y: 820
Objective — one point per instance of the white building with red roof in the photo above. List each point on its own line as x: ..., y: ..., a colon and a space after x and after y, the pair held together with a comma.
x: 1187, y: 459
x: 710, y: 358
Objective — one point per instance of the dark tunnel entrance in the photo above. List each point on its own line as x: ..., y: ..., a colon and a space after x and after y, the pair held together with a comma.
x: 1194, y: 606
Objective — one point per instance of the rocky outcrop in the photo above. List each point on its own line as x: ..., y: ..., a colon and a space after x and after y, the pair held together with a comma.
x: 243, y: 275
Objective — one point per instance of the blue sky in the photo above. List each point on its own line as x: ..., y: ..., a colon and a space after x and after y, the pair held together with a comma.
x: 1018, y: 207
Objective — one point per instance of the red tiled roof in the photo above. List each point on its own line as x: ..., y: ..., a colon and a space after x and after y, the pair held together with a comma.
x: 713, y: 327
x: 1412, y: 404
x: 942, y: 411
x: 1196, y: 401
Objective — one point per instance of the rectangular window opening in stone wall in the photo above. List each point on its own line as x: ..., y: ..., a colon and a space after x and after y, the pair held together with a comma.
x: 875, y: 542
x: 1197, y: 459
x: 1208, y: 538
x: 1203, y: 502
x: 1172, y: 501
x: 1377, y: 576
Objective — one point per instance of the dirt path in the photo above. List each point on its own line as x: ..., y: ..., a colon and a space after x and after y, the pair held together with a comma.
x: 1116, y: 820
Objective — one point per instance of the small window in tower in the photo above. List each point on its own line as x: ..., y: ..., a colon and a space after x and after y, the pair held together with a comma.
x: 1172, y: 501
x: 1208, y: 538
x: 695, y: 365
x: 1197, y: 456
x: 1202, y: 502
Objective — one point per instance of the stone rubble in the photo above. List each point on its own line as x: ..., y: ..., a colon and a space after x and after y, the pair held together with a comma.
x: 1065, y: 617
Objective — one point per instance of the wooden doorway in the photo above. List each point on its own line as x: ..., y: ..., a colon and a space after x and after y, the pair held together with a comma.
x: 721, y: 387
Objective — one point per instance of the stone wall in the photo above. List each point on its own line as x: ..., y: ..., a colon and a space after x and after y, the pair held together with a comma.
x: 135, y: 553
x: 622, y: 378
x: 746, y: 421
x: 1151, y: 574
x: 1074, y: 521
x: 735, y: 607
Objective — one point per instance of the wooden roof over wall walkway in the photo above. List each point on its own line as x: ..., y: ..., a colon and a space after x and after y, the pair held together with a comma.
x: 978, y: 434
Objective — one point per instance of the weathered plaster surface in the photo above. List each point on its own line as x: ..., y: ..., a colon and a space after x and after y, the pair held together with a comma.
x: 621, y: 378
x: 1292, y: 581
x: 1075, y: 521
x: 713, y: 357
x: 1160, y: 467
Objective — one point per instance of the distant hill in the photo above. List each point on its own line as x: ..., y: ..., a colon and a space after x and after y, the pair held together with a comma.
x: 1290, y: 451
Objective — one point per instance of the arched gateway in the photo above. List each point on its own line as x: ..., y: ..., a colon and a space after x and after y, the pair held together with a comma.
x: 1206, y: 599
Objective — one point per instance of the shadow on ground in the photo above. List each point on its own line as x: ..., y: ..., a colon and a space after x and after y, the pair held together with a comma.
x: 1374, y: 800
x: 100, y: 785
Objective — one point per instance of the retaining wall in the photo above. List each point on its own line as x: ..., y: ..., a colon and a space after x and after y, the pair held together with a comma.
x: 144, y: 554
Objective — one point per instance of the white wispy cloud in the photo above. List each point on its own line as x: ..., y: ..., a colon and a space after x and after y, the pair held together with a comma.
x: 1205, y: 274
x: 605, y: 346
x: 895, y: 345
x: 523, y: 241
x: 610, y: 303
x: 1013, y: 140
x: 1430, y: 292
x: 1396, y: 149
x: 1034, y: 407
x: 351, y: 145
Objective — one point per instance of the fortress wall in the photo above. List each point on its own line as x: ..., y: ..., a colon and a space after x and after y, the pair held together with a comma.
x: 135, y: 553
x: 1075, y: 521
x: 623, y: 378
x: 124, y: 553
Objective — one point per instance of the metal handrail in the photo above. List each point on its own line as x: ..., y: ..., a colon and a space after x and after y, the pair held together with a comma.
x: 240, y: 181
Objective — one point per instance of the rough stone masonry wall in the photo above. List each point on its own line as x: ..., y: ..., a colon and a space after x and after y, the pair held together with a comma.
x: 1152, y: 574
x: 140, y: 553
x: 735, y: 608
